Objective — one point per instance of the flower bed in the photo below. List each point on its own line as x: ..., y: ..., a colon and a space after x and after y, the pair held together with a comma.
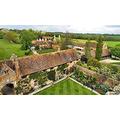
x: 110, y: 76
x: 90, y: 81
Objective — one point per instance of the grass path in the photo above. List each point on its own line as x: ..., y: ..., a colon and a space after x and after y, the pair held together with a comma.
x: 66, y: 87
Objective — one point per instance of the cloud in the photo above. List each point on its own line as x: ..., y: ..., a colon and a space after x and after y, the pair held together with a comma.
x: 113, y: 26
x: 111, y: 29
x: 52, y: 28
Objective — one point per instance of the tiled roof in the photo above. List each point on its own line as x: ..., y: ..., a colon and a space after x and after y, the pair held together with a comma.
x: 35, y: 63
x: 105, y: 52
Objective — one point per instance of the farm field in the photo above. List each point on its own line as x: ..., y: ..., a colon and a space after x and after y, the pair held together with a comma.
x: 7, y: 49
x: 66, y: 87
x: 109, y: 43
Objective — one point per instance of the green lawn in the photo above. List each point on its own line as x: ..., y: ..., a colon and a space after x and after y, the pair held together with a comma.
x: 112, y: 43
x: 7, y: 49
x: 66, y: 87
x: 46, y: 51
x: 109, y: 43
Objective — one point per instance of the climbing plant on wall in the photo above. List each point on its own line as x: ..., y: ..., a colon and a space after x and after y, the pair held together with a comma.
x: 51, y: 75
x: 62, y: 67
x: 40, y: 76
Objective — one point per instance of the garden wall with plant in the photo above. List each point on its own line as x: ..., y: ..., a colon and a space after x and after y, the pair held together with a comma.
x: 107, y: 76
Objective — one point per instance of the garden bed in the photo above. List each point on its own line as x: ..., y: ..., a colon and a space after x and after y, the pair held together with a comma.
x: 107, y: 76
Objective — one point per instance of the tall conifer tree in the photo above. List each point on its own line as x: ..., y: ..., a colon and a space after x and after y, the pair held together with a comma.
x: 87, y: 49
x: 99, y: 47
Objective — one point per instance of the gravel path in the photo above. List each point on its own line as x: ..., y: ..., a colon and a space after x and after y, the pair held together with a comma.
x: 109, y: 61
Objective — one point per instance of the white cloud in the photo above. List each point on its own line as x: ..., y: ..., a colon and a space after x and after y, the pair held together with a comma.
x: 81, y: 15
x: 114, y: 29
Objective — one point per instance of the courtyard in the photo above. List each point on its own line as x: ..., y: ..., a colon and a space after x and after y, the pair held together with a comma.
x: 66, y: 87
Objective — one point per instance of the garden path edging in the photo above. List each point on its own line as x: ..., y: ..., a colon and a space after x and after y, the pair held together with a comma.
x: 40, y: 89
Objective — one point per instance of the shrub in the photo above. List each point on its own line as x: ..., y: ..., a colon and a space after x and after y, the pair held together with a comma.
x: 76, y: 72
x: 92, y: 68
x: 93, y: 62
x: 104, y: 70
x: 118, y: 76
x: 28, y: 52
x: 84, y: 59
x: 79, y: 74
x: 117, y: 89
x: 51, y: 75
x: 104, y: 87
x: 115, y: 51
x: 93, y: 80
x: 113, y: 68
x: 79, y: 63
x: 62, y: 67
x: 40, y: 76
x: 36, y: 47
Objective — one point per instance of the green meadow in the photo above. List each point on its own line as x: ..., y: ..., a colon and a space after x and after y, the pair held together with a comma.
x: 109, y: 43
x: 7, y: 49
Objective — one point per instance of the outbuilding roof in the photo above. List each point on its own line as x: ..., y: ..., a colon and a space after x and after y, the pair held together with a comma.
x: 35, y: 63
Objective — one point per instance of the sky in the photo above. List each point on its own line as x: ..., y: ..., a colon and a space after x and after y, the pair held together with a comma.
x: 84, y: 16
x: 110, y: 29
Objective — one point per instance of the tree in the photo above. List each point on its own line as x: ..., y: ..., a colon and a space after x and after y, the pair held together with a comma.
x: 26, y: 37
x: 12, y: 37
x: 67, y: 41
x: 1, y: 34
x: 99, y: 47
x: 87, y: 49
